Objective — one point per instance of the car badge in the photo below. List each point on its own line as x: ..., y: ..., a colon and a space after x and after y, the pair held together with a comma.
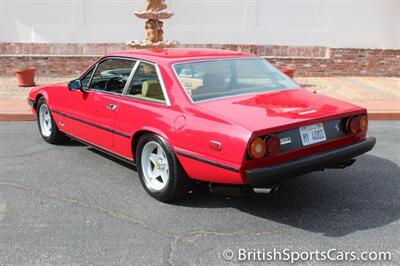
x: 307, y: 112
x: 286, y: 140
x: 337, y: 127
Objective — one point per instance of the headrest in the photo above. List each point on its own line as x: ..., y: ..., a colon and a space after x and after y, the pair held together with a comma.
x: 152, y: 89
x: 148, y: 69
x: 213, y: 80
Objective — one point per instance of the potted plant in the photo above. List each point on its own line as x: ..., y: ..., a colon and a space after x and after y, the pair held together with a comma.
x: 288, y: 71
x: 25, y: 76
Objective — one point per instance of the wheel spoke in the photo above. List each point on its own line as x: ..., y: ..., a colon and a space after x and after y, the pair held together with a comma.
x: 159, y: 151
x: 153, y: 158
x: 155, y: 173
x: 164, y: 176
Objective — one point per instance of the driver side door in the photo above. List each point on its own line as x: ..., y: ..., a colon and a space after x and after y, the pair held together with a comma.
x: 91, y: 111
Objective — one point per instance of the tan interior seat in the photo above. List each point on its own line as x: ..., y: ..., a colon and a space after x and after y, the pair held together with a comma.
x: 190, y: 84
x: 212, y: 83
x: 152, y: 89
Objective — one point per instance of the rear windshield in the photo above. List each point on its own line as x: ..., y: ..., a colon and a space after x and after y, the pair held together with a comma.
x: 206, y: 80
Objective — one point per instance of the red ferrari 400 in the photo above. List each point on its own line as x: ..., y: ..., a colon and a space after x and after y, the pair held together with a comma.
x: 217, y: 116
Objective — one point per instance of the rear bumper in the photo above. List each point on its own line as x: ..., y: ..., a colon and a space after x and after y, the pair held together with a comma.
x: 278, y: 173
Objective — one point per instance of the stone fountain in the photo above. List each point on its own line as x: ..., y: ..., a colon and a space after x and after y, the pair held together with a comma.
x: 154, y: 13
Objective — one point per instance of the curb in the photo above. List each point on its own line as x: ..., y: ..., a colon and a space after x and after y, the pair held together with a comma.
x: 8, y: 117
x: 384, y: 116
x: 30, y: 117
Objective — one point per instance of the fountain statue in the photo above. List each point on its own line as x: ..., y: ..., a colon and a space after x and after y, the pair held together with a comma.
x: 154, y: 13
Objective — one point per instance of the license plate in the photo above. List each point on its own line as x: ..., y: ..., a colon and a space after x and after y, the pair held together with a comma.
x: 312, y: 134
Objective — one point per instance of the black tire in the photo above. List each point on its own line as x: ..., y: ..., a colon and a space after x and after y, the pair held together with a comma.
x: 56, y: 136
x: 178, y: 183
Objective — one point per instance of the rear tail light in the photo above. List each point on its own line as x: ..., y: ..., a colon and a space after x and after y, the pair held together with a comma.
x: 273, y: 144
x: 353, y: 125
x: 357, y: 124
x: 363, y: 123
x: 257, y: 148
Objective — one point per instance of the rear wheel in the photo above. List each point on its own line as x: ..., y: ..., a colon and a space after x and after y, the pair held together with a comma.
x: 160, y: 172
x: 48, y: 129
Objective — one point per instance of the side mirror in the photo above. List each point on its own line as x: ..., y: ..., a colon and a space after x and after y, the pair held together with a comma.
x: 75, y: 84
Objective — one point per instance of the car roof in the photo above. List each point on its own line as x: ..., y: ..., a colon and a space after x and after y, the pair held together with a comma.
x: 180, y: 54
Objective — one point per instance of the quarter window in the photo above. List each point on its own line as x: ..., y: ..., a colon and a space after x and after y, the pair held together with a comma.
x: 111, y: 75
x: 86, y: 79
x: 146, y: 84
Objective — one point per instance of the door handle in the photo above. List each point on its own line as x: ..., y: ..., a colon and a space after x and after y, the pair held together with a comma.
x: 111, y: 106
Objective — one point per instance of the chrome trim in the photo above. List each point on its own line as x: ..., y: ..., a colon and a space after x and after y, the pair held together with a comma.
x: 128, y: 82
x: 105, y: 92
x: 112, y: 107
x: 151, y: 100
x: 91, y: 77
x: 221, y: 59
x: 88, y: 70
x: 160, y: 78
x: 124, y: 91
x: 243, y: 94
x: 105, y: 59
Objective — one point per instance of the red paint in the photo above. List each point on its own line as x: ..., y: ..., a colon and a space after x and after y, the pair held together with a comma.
x: 215, y: 145
x: 91, y: 106
x: 189, y: 128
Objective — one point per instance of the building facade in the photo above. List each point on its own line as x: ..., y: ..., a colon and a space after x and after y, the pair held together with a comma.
x: 320, y: 38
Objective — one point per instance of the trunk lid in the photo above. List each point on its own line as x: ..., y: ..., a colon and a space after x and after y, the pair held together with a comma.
x: 267, y: 112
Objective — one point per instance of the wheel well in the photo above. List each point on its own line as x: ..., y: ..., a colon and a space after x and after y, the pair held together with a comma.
x: 36, y: 100
x: 135, y: 140
x: 136, y: 137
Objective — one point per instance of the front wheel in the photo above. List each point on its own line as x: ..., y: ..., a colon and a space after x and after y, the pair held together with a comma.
x: 47, y: 127
x: 160, y: 172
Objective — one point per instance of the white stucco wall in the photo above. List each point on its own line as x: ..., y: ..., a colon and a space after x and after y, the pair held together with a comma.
x: 340, y: 23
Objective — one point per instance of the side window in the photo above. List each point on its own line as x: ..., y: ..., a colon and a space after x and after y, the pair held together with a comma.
x: 111, y: 75
x: 86, y: 79
x: 145, y: 84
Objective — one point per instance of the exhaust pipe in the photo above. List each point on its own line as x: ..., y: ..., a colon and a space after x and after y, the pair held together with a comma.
x: 343, y: 164
x: 268, y: 189
x: 261, y: 190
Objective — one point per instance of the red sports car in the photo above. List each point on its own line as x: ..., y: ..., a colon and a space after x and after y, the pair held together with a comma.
x: 217, y: 116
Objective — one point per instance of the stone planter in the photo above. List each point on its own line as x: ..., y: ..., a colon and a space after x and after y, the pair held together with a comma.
x: 288, y: 71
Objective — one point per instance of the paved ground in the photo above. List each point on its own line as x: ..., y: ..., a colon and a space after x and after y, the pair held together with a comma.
x: 71, y: 205
x: 13, y: 105
x: 381, y: 96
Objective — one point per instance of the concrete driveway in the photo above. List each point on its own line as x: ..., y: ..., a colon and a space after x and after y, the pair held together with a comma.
x: 72, y: 205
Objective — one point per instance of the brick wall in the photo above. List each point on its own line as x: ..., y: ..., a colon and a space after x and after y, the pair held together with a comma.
x: 68, y: 59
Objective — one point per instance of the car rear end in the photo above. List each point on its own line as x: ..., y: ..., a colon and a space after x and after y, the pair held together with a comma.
x: 274, y: 156
x: 292, y: 131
